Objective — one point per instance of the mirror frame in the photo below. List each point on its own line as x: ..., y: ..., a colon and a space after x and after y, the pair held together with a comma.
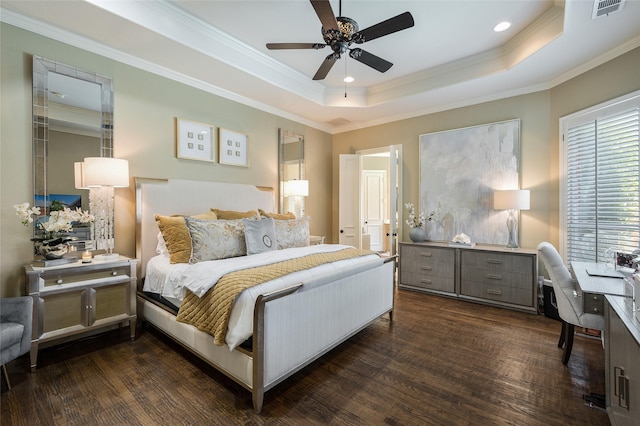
x: 42, y: 67
x: 286, y: 137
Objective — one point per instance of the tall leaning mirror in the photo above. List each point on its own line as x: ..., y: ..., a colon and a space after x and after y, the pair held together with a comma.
x: 291, y: 167
x: 72, y: 119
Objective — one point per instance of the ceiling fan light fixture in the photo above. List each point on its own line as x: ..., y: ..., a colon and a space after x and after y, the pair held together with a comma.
x: 502, y: 26
x: 348, y: 27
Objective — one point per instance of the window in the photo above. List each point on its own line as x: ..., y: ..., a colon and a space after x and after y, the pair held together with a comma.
x: 600, y: 180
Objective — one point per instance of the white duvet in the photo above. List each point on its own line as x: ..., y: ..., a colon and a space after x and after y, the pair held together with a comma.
x: 172, y: 280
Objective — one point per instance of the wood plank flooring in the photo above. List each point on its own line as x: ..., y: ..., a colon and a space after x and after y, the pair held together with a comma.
x: 440, y: 362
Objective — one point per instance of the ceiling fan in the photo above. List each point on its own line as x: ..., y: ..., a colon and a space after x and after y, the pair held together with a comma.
x: 340, y: 32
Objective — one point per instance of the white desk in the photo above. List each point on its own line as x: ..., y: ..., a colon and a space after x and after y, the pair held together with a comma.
x: 594, y: 286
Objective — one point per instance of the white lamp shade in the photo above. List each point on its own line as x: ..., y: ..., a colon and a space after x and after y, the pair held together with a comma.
x: 512, y: 199
x: 104, y: 171
x: 294, y: 188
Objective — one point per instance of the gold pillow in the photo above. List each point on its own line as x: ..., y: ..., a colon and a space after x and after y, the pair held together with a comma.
x: 232, y: 214
x: 278, y: 216
x: 176, y: 235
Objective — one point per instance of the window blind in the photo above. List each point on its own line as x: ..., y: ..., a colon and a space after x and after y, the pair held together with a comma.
x: 602, y: 190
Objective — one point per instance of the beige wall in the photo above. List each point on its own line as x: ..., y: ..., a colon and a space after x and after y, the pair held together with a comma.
x: 146, y: 104
x: 145, y: 108
x: 539, y: 114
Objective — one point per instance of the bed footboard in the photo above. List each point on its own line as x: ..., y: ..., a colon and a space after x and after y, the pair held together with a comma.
x: 325, y: 316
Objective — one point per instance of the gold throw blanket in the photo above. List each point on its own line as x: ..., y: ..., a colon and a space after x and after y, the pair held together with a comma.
x: 210, y: 313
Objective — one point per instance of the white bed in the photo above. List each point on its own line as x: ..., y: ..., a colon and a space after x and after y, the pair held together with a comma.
x: 328, y: 306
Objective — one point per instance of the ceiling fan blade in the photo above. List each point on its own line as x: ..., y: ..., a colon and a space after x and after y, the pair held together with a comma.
x: 276, y: 46
x: 326, y: 66
x: 370, y: 59
x: 325, y: 14
x: 391, y: 25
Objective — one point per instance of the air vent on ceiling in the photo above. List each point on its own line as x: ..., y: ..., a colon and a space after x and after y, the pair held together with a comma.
x: 605, y: 7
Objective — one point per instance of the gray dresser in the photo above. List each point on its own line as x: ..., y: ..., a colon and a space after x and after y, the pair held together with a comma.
x: 486, y: 274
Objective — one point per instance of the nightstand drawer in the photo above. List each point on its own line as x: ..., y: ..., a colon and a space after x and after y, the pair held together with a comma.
x: 53, y: 278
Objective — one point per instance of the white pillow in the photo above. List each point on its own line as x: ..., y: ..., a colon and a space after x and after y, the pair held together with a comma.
x: 161, y: 248
x: 216, y: 239
x: 292, y: 233
x: 260, y: 235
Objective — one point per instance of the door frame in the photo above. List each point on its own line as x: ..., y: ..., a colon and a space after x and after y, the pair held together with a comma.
x: 395, y: 175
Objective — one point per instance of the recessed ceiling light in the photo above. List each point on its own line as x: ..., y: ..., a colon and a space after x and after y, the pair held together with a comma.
x: 348, y: 79
x: 502, y: 26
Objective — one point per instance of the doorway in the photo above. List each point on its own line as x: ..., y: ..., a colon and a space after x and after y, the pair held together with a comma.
x: 370, y: 185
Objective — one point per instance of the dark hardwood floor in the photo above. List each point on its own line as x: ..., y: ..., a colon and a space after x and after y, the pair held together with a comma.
x: 441, y: 362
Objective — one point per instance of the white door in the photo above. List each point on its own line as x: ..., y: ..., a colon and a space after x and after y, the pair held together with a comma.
x: 350, y: 228
x: 395, y: 195
x: 374, y: 191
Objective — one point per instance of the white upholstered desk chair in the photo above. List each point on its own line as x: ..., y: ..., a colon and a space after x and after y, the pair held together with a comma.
x: 569, y: 304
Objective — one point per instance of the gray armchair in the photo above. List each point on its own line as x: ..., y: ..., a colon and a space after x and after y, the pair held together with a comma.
x: 569, y: 304
x: 16, y: 315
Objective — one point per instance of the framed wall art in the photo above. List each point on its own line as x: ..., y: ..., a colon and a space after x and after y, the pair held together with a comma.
x: 459, y: 171
x: 195, y: 141
x: 234, y: 148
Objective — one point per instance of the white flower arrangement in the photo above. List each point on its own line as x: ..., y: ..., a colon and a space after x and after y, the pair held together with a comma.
x: 418, y: 221
x: 58, y: 221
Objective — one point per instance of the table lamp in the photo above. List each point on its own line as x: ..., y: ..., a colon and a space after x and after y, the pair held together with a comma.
x: 297, y: 189
x: 101, y: 175
x: 512, y: 200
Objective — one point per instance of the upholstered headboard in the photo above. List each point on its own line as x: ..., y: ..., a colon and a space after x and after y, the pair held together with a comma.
x: 188, y: 197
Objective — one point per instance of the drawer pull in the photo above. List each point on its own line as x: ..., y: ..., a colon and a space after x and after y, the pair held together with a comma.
x: 495, y: 292
x: 496, y: 261
x: 595, y: 310
x: 426, y: 282
x: 621, y: 388
x: 426, y: 268
x: 114, y: 273
x: 426, y: 254
x: 494, y: 276
x: 59, y: 281
x: 596, y: 298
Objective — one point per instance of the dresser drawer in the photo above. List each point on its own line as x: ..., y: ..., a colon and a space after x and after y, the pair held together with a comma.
x: 498, y: 291
x: 427, y: 267
x: 430, y: 261
x: 518, y: 279
x: 428, y: 282
x: 492, y: 268
x: 496, y: 261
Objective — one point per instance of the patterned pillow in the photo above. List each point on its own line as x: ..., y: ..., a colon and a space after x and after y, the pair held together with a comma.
x: 292, y: 233
x: 260, y: 235
x: 216, y: 239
